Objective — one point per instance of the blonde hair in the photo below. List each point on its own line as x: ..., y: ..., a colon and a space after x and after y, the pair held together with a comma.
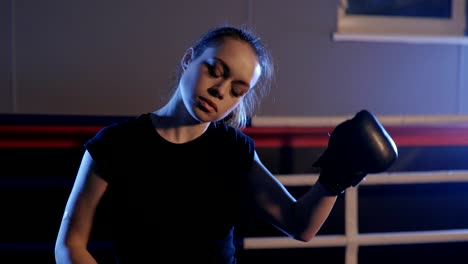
x: 241, y: 115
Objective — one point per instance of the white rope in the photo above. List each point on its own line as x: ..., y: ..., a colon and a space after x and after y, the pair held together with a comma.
x: 385, y: 178
x: 351, y: 226
x: 297, y: 121
x: 374, y: 239
x: 286, y: 242
x: 417, y: 237
x: 352, y: 238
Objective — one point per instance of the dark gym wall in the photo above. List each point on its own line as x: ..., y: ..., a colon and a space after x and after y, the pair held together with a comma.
x: 118, y: 58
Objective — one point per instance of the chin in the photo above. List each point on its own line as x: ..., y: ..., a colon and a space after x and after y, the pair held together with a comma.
x: 204, y: 117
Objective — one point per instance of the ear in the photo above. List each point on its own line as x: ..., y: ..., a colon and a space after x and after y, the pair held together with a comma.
x: 188, y: 56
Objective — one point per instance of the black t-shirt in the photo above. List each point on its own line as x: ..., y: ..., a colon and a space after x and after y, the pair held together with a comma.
x: 173, y: 201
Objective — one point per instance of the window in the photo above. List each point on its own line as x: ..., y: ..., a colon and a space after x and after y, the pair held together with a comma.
x: 430, y: 19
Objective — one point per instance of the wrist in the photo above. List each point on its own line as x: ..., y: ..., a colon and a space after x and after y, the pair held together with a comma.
x: 329, y: 188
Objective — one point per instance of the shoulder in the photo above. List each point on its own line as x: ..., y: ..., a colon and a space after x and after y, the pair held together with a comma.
x: 232, y: 134
x: 121, y: 131
x: 232, y: 144
x: 129, y: 125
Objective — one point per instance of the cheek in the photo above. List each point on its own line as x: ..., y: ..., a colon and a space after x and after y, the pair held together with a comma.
x: 231, y: 105
x: 189, y: 82
x: 188, y: 78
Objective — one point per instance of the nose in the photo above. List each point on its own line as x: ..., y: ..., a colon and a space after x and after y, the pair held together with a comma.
x: 218, y: 90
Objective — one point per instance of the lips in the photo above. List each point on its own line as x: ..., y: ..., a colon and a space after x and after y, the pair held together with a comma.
x: 208, y: 104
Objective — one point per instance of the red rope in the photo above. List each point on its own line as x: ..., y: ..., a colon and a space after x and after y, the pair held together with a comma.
x: 51, y: 136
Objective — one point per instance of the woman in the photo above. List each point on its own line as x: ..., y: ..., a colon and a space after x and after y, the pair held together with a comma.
x: 180, y: 179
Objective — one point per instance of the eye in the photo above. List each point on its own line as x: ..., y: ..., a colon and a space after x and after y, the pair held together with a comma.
x: 239, y: 90
x: 214, y: 70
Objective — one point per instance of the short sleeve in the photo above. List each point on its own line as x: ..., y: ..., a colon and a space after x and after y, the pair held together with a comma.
x: 104, y: 151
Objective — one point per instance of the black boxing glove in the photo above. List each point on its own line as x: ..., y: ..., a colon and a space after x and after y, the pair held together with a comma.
x: 356, y: 147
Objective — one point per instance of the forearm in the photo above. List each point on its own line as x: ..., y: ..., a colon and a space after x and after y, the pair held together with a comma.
x: 73, y: 255
x: 312, y: 210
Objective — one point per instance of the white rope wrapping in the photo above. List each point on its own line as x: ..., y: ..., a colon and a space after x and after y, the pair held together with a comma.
x: 297, y: 121
x: 352, y: 239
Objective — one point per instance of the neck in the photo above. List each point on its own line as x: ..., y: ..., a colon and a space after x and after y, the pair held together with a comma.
x: 175, y: 124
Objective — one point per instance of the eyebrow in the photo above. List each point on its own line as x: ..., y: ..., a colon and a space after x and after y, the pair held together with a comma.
x: 227, y: 71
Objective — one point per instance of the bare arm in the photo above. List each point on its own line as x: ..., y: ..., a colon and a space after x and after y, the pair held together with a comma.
x: 301, y: 218
x: 77, y: 221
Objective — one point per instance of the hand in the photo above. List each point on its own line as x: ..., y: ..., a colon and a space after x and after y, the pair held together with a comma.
x: 356, y: 147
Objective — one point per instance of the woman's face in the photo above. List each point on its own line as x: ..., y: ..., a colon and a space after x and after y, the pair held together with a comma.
x: 213, y: 84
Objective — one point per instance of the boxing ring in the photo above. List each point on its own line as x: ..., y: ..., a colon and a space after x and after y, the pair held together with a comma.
x: 352, y: 239
x: 445, y: 130
x: 60, y: 141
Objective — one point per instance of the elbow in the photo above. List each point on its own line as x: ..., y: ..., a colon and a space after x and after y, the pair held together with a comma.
x: 304, y: 237
x: 60, y: 252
